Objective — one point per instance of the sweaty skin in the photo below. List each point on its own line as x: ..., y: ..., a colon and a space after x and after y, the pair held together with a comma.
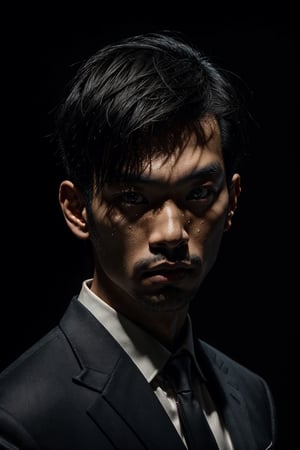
x: 156, y: 236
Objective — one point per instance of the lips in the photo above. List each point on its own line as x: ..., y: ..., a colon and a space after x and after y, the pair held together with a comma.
x: 167, y: 273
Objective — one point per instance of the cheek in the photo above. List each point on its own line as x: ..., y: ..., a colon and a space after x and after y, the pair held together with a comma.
x: 117, y: 245
x: 206, y: 233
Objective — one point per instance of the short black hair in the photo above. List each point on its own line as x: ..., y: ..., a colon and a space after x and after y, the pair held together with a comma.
x: 139, y: 96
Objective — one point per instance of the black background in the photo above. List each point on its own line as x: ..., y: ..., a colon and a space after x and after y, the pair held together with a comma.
x: 248, y: 302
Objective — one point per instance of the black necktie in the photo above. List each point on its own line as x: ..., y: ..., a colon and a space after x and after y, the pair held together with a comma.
x: 195, y: 426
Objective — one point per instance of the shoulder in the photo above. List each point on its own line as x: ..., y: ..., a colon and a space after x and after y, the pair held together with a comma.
x: 225, y: 364
x: 40, y: 362
x: 33, y: 383
x: 230, y: 372
x: 239, y: 380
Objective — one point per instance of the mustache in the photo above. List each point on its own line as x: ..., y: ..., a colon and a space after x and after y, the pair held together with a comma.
x: 145, y: 263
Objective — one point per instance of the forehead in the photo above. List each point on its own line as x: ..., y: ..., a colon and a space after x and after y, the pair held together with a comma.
x: 190, y: 160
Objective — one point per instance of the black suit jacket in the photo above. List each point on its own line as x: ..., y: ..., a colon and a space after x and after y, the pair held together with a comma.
x: 77, y: 389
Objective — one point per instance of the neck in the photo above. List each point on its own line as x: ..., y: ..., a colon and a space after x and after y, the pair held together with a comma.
x: 165, y: 327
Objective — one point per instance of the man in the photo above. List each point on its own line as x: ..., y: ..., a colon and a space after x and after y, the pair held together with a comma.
x: 150, y: 135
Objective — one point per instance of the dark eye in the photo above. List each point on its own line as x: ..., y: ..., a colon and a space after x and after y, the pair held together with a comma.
x: 200, y: 193
x: 132, y: 198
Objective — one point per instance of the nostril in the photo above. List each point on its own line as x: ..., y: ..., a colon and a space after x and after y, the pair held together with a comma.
x: 172, y: 250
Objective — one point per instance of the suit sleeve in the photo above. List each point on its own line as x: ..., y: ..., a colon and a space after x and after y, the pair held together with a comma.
x: 13, y: 435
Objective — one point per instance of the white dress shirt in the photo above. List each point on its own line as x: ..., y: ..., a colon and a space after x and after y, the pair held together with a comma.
x: 150, y: 357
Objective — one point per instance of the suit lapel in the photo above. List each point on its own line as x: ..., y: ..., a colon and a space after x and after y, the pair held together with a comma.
x: 126, y: 410
x: 236, y: 418
x: 132, y: 400
x: 231, y: 403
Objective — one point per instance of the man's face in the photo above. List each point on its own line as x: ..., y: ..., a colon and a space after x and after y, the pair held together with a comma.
x: 156, y: 236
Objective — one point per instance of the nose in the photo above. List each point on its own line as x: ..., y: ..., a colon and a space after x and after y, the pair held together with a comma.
x: 168, y: 231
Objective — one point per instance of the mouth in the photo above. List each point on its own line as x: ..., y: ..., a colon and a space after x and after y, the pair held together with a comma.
x: 167, y: 273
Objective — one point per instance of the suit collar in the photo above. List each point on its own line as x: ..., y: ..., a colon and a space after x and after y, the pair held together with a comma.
x: 136, y: 405
x: 126, y: 409
x: 226, y: 392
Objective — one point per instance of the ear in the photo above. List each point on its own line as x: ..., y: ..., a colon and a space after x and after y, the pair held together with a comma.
x: 234, y: 192
x: 73, y: 208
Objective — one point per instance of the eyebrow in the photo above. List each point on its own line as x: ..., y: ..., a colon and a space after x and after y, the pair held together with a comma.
x: 199, y: 174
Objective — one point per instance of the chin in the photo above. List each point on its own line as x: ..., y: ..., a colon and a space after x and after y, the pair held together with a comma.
x: 170, y: 299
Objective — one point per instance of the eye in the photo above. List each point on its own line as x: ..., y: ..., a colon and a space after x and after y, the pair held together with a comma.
x: 200, y: 193
x: 132, y: 198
